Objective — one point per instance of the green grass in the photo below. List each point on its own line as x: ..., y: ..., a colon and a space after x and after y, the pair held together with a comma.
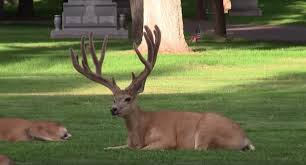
x: 258, y: 84
x: 274, y: 12
x: 277, y: 12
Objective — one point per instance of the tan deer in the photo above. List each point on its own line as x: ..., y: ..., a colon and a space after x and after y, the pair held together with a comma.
x: 16, y: 129
x: 164, y: 129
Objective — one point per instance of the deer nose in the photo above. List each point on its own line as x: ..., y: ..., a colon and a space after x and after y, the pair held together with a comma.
x: 114, y: 111
x: 66, y: 136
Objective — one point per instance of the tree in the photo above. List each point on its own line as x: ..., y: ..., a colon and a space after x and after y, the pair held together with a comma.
x: 167, y: 14
x: 1, y: 8
x: 200, y: 9
x: 25, y: 8
x: 220, y: 24
x: 137, y: 20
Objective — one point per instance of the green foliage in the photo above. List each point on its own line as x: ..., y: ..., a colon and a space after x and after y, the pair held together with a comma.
x: 42, y: 8
x: 277, y: 12
x: 258, y: 84
x: 189, y: 8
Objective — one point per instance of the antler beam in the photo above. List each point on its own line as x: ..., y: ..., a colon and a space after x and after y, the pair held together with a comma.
x: 84, y: 68
x: 138, y: 82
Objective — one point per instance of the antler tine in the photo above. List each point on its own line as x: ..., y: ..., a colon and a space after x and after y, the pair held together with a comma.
x: 133, y: 76
x: 149, y: 39
x: 83, y: 51
x: 157, y: 34
x: 85, y: 69
x: 144, y: 61
x: 138, y: 82
x: 94, y: 55
x: 75, y: 61
x: 103, y: 49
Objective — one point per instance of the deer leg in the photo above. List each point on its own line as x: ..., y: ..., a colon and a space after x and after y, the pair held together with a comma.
x: 159, y: 145
x: 201, y: 147
x: 154, y: 146
x: 201, y: 141
x: 117, y: 147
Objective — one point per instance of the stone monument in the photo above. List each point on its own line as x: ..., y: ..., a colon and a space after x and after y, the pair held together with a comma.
x: 81, y: 17
x: 245, y: 8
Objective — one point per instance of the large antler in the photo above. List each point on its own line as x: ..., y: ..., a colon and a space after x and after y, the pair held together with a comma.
x: 138, y: 82
x: 85, y: 70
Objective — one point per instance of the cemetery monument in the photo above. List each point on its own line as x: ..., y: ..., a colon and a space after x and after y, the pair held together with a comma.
x: 81, y: 17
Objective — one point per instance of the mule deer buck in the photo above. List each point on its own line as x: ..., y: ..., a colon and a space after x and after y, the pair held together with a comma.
x: 165, y: 129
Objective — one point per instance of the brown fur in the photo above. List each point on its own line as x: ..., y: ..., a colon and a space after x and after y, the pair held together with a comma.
x: 14, y: 129
x: 177, y: 130
x: 4, y: 160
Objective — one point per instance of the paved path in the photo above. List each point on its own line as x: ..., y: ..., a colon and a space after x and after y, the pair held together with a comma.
x: 294, y: 34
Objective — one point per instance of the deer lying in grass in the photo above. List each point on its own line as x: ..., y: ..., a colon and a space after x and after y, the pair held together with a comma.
x: 165, y: 129
x: 15, y: 129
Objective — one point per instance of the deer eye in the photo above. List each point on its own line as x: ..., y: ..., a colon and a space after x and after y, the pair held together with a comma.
x: 127, y: 99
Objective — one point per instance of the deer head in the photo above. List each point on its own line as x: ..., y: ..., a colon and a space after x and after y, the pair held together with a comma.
x: 124, y: 100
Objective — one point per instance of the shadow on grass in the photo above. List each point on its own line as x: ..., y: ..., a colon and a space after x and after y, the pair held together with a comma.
x: 281, y: 96
x: 65, y: 83
x: 14, y: 49
x: 18, y: 54
x: 13, y: 35
x: 15, y: 53
x: 214, y: 44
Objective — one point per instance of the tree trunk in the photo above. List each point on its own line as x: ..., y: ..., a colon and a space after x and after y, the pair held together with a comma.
x: 200, y: 9
x: 220, y: 25
x: 25, y: 8
x: 167, y: 15
x: 1, y: 8
x: 137, y: 20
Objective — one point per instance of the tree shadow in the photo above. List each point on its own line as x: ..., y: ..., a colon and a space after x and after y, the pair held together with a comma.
x: 280, y: 34
x: 40, y: 34
x: 281, y: 95
x: 240, y: 44
x: 15, y: 53
x: 61, y: 83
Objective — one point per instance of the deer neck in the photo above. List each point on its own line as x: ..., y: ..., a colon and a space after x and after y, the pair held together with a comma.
x: 133, y: 120
x: 135, y: 124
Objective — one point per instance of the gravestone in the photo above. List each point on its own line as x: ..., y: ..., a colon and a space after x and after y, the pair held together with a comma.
x: 81, y: 17
x: 245, y: 8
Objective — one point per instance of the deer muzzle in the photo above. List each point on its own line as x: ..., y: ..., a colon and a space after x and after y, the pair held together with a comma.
x: 114, y: 111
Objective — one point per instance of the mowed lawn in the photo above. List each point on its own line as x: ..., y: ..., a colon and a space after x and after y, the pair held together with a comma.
x: 260, y: 85
x: 274, y: 12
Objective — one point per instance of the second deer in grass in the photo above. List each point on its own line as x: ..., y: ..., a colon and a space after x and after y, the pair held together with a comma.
x: 164, y: 129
